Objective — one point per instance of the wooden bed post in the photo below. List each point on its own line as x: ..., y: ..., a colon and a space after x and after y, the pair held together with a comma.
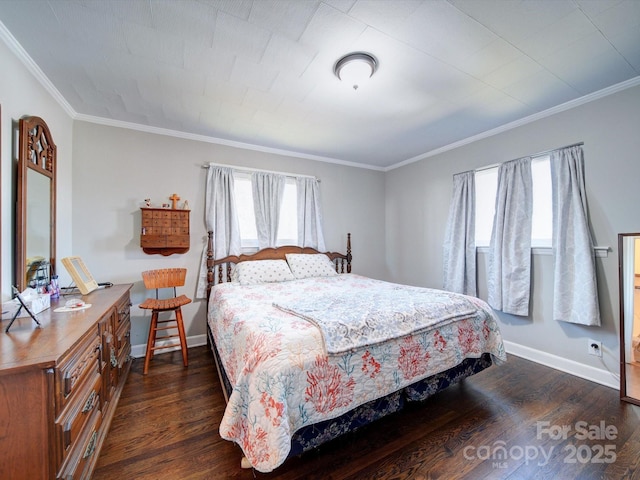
x: 349, y: 253
x: 210, y: 261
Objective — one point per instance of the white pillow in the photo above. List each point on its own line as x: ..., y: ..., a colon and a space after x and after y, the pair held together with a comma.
x: 261, y: 271
x: 305, y: 265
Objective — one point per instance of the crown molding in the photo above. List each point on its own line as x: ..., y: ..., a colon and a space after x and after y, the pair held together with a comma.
x: 28, y: 62
x: 635, y: 81
x: 489, y: 133
x: 218, y: 141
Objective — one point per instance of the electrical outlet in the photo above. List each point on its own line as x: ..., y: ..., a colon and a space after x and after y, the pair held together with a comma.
x: 595, y: 348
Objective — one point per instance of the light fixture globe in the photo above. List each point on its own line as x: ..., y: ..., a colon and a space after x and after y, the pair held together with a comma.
x: 355, y: 68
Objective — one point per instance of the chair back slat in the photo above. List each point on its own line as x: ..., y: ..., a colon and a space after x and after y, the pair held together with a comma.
x: 164, y: 278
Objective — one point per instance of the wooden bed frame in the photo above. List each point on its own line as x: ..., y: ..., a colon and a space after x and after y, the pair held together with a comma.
x: 219, y: 271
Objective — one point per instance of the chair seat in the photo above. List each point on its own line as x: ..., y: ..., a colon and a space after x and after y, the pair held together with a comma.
x: 165, y: 304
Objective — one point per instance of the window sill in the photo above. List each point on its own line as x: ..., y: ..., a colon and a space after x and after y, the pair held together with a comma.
x: 599, y: 251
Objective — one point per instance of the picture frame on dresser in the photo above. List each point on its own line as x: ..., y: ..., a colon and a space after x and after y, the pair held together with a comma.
x: 80, y: 274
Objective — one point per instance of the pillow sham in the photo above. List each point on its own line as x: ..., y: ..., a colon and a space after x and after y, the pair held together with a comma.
x: 261, y: 271
x: 310, y: 265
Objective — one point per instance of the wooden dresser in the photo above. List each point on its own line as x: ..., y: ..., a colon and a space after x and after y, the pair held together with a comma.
x: 60, y: 384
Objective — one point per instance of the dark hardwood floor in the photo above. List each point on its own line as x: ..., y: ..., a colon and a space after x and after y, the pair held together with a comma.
x: 166, y: 427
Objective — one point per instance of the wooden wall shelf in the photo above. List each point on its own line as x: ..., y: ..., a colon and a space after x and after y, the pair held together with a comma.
x: 164, y: 231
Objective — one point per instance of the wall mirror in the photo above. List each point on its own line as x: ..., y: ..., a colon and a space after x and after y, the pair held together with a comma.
x: 629, y: 273
x: 35, y: 205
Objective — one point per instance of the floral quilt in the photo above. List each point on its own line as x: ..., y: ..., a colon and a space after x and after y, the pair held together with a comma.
x: 283, y: 378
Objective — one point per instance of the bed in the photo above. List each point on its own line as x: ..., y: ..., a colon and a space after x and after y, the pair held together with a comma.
x: 307, y: 351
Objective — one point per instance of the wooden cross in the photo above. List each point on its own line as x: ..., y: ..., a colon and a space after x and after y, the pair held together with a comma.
x: 174, y: 198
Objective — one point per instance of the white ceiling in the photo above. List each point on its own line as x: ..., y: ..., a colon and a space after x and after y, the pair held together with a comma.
x: 260, y: 72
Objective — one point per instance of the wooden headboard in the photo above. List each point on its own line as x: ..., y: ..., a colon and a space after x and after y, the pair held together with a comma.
x: 224, y: 265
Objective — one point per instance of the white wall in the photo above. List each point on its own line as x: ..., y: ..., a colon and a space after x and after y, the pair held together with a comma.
x: 418, y: 197
x: 21, y: 94
x: 114, y: 169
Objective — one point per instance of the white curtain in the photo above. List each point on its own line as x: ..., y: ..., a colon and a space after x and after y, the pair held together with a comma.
x: 459, y: 239
x: 268, y: 189
x: 509, y: 272
x: 575, y: 289
x: 309, y: 214
x: 221, y: 217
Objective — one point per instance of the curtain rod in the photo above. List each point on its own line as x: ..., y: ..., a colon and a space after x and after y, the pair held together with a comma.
x: 252, y: 170
x: 535, y: 155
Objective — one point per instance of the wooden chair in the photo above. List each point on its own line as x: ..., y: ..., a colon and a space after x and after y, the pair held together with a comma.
x: 161, y: 279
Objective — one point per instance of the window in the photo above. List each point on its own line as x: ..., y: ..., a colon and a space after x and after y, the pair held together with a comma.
x: 288, y: 226
x: 244, y: 204
x: 542, y: 216
x: 486, y: 187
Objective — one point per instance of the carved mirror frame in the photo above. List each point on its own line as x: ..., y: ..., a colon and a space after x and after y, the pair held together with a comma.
x: 36, y: 156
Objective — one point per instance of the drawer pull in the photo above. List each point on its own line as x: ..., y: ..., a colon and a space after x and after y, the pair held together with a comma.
x: 66, y: 435
x: 92, y: 445
x: 89, y: 404
x: 114, y: 359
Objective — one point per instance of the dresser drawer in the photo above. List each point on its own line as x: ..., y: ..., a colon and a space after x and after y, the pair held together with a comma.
x: 123, y: 336
x: 82, y: 453
x: 124, y: 360
x: 122, y: 312
x: 75, y: 368
x: 147, y: 217
x: 178, y: 241
x: 71, y: 423
x: 180, y: 230
x: 157, y: 241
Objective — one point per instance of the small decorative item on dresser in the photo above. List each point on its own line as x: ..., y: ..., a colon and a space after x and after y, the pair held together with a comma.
x: 55, y: 287
x: 174, y: 201
x: 185, y: 205
x: 147, y: 202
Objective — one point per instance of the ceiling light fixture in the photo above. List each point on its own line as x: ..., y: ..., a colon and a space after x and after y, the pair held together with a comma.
x: 355, y: 68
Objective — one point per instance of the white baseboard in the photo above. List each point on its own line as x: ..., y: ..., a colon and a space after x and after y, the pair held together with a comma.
x: 597, y: 375
x: 138, y: 351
